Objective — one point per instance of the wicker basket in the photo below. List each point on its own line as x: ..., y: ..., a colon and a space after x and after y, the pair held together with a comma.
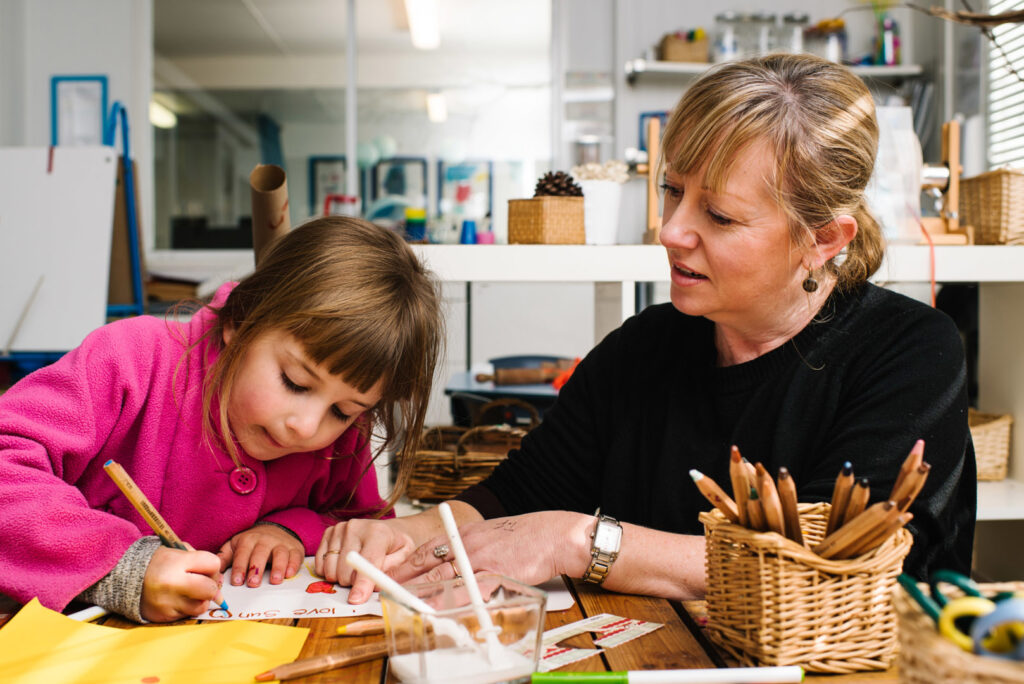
x: 546, y: 221
x: 673, y: 48
x: 773, y: 602
x: 993, y: 203
x: 927, y: 657
x: 452, y: 458
x: 990, y: 433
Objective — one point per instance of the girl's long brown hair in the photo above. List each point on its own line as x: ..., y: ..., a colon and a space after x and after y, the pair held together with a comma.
x: 362, y: 305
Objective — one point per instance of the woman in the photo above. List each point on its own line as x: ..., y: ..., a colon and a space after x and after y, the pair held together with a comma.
x: 774, y: 341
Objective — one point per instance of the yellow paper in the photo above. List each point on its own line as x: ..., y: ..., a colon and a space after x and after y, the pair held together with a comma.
x: 40, y: 645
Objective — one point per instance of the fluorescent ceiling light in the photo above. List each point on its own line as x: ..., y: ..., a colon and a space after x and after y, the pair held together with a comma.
x: 437, y: 107
x: 424, y: 23
x: 161, y: 116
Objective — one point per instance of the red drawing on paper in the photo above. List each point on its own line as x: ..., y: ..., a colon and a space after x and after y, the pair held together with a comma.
x: 320, y: 588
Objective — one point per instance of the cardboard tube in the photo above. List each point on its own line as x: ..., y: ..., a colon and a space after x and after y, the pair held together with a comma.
x: 269, y: 206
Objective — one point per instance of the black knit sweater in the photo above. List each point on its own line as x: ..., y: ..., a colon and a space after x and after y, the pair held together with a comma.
x: 873, y: 373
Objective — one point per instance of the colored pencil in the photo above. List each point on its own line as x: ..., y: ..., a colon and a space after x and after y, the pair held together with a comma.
x: 149, y: 513
x: 790, y: 514
x: 840, y: 497
x: 713, y: 493
x: 323, y: 663
x: 362, y: 627
x: 910, y: 464
x: 755, y: 513
x: 877, y: 539
x: 911, y: 486
x: 853, y: 533
x: 858, y: 499
x: 770, y: 503
x: 779, y: 674
x: 89, y: 614
x: 740, y: 485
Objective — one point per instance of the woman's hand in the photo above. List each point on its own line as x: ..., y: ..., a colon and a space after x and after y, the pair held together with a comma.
x: 531, y: 548
x: 382, y: 542
x: 248, y: 552
x: 178, y: 584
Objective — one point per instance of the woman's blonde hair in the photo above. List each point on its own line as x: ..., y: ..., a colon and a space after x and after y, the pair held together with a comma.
x: 819, y: 120
x: 357, y: 298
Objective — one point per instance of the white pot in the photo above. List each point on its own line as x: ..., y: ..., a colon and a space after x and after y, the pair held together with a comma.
x: 601, y: 202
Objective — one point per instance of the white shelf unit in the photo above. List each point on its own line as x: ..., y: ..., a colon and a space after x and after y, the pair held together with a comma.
x: 637, y: 68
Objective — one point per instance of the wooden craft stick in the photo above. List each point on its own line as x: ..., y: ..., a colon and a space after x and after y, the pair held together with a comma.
x: 362, y: 628
x: 740, y: 485
x: 322, y: 663
x: 877, y: 539
x: 912, y: 486
x: 713, y: 493
x: 840, y: 497
x: 854, y: 532
x: 858, y: 499
x: 910, y: 464
x: 755, y: 513
x: 790, y: 514
x: 770, y: 503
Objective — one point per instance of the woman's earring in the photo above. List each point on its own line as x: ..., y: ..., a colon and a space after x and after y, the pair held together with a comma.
x: 810, y: 284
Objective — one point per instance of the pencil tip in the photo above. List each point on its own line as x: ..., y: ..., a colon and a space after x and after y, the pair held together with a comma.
x: 847, y: 468
x: 696, y: 474
x: 265, y: 677
x: 735, y: 454
x: 224, y: 605
x: 753, y: 494
x: 109, y: 461
x: 341, y: 630
x: 783, y: 472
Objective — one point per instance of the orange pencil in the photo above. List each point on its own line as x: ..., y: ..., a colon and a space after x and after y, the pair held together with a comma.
x: 713, y: 493
x: 740, y: 485
x: 840, y: 497
x: 769, y: 500
x: 322, y: 663
x: 149, y: 513
x: 790, y: 514
x: 877, y: 539
x: 362, y: 627
x: 910, y: 464
x: 858, y: 499
x: 911, y: 486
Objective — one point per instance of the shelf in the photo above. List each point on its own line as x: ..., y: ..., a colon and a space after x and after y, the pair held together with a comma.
x: 639, y: 67
x: 1003, y: 500
x: 648, y: 263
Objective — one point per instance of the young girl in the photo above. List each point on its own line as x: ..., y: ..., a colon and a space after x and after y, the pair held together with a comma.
x: 248, y: 427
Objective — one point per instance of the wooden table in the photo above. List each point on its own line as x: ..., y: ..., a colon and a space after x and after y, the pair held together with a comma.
x: 679, y: 644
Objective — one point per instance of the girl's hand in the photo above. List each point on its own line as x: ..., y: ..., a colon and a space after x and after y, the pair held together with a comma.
x: 178, y: 584
x: 379, y: 541
x: 248, y: 552
x: 531, y: 548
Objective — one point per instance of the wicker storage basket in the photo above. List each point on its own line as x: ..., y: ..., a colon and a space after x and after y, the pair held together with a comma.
x: 773, y: 602
x: 927, y: 657
x: 993, y: 203
x: 546, y: 221
x: 444, y: 468
x: 673, y: 48
x: 990, y: 433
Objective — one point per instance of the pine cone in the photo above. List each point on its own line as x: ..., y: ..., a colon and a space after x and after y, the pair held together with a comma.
x: 559, y: 184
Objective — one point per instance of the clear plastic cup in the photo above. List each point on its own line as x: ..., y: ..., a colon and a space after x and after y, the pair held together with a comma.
x: 450, y: 647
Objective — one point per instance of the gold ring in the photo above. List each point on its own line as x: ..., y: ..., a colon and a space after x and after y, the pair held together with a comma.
x: 455, y: 569
x: 329, y: 552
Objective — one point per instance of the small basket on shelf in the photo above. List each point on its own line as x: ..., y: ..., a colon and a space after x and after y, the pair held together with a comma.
x: 993, y: 202
x: 990, y: 433
x: 926, y: 656
x: 771, y: 601
x: 554, y: 216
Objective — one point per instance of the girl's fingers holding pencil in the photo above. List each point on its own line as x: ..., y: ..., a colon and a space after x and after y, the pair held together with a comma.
x: 179, y: 584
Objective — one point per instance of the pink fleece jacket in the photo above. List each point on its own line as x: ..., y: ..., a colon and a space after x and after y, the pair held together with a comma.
x: 128, y: 394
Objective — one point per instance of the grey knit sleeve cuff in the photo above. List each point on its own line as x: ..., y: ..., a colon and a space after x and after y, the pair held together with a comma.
x: 120, y: 590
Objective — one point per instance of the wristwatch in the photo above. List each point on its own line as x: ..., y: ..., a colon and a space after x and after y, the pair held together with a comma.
x: 604, y: 547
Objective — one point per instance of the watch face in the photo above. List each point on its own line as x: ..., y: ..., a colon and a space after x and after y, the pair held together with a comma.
x: 608, y: 537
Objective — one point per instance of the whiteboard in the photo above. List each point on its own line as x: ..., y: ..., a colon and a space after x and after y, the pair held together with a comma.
x: 56, y: 225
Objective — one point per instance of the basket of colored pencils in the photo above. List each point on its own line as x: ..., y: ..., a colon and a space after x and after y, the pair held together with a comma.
x: 806, y: 584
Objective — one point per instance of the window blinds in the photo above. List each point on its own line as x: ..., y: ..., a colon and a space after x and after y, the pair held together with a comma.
x: 1006, y: 91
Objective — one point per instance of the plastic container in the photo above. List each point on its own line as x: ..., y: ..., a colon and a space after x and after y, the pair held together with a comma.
x: 761, y: 31
x: 468, y: 236
x: 791, y: 32
x: 726, y: 45
x: 449, y: 647
x: 415, y: 224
